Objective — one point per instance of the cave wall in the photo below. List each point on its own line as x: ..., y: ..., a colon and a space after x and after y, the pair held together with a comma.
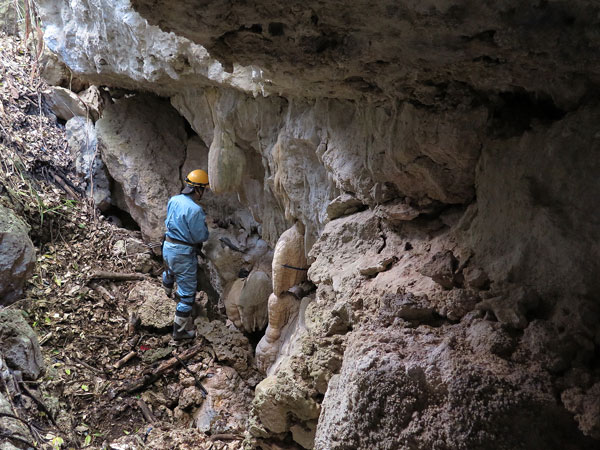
x: 442, y: 159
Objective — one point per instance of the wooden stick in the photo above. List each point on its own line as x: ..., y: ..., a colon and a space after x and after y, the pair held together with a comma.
x: 225, y: 437
x: 146, y: 411
x: 120, y: 363
x: 102, y: 291
x: 45, y: 338
x: 118, y: 276
x: 196, y: 379
x: 165, y: 367
x: 66, y: 188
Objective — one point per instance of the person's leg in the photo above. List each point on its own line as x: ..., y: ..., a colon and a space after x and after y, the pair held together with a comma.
x: 168, y: 280
x: 184, y: 265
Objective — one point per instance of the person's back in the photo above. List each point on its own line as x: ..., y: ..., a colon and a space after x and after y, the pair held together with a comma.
x: 186, y: 220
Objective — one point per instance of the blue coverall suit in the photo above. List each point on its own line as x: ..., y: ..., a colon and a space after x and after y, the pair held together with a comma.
x: 185, y: 222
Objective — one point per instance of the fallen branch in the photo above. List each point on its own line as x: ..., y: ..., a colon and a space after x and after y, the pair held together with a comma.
x: 146, y: 411
x: 225, y: 437
x: 64, y: 186
x: 165, y: 367
x: 118, y: 276
x: 129, y: 356
x: 102, y: 291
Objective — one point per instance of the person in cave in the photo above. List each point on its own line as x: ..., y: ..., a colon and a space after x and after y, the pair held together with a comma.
x: 186, y: 231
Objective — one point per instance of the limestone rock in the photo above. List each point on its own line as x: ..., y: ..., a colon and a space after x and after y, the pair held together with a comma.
x: 292, y: 402
x: 253, y: 301
x: 226, y: 163
x: 65, y: 104
x: 511, y: 307
x: 489, y: 337
x: 305, y: 51
x: 83, y: 145
x: 95, y: 100
x: 189, y: 397
x: 476, y: 278
x: 128, y: 52
x: 20, y: 347
x: 17, y: 256
x: 53, y: 70
x: 405, y: 306
x: 230, y: 345
x: 225, y: 409
x: 232, y: 298
x: 289, y: 251
x: 151, y: 305
x: 398, y: 211
x: 343, y: 205
x: 441, y: 269
x: 456, y: 303
x: 142, y: 141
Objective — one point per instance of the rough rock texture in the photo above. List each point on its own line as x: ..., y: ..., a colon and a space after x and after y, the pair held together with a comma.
x: 246, y: 301
x: 13, y: 426
x: 432, y: 52
x: 65, y: 104
x: 151, y: 305
x: 107, y: 41
x: 9, y: 15
x: 142, y: 140
x: 83, y: 144
x: 17, y: 256
x: 442, y: 159
x: 225, y: 409
x: 20, y: 347
x: 230, y: 345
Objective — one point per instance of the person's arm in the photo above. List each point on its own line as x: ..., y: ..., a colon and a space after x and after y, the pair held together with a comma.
x: 198, y: 228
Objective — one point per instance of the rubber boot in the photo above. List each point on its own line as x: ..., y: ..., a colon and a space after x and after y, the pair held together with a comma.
x: 182, y: 326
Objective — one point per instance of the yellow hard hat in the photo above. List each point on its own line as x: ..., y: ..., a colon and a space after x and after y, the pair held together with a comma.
x: 197, y: 178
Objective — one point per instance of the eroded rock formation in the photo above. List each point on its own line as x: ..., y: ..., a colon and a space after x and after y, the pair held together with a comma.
x: 438, y: 162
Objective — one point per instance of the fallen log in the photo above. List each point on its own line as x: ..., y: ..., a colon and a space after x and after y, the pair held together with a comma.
x: 163, y: 368
x: 118, y: 276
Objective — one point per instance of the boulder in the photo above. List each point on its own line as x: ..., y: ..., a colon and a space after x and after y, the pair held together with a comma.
x: 20, y: 346
x: 229, y: 344
x: 17, y: 256
x: 142, y: 140
x: 83, y: 145
x: 225, y: 409
x: 64, y: 103
x: 291, y: 402
x: 151, y: 305
x: 253, y: 300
